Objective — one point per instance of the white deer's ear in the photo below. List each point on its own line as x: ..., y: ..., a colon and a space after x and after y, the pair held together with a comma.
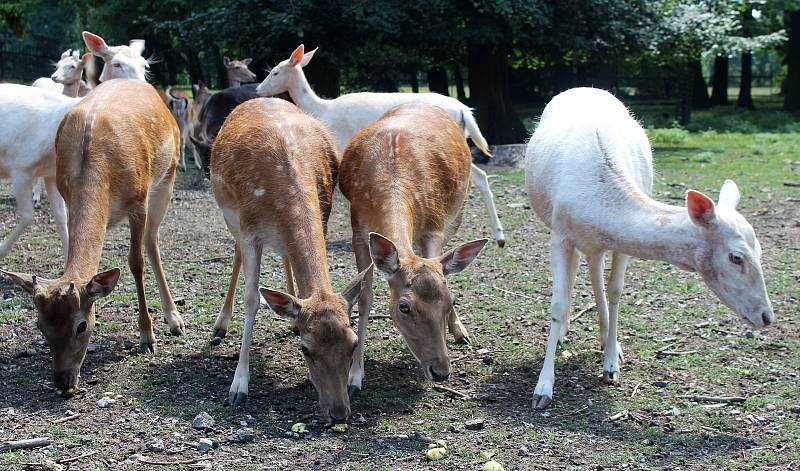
x: 297, y: 56
x: 247, y: 61
x: 700, y: 207
x: 86, y: 58
x: 96, y: 44
x: 76, y: 54
x: 66, y: 53
x: 307, y: 57
x: 137, y: 45
x: 226, y: 61
x: 729, y: 195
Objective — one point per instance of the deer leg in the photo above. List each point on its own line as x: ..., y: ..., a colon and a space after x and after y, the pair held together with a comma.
x: 36, y: 194
x: 59, y: 209
x: 147, y: 339
x: 22, y: 193
x: 481, y: 182
x: 225, y: 315
x: 363, y: 260
x: 561, y: 254
x: 287, y: 269
x: 157, y: 208
x: 613, y: 351
x: 574, y: 262
x: 251, y: 261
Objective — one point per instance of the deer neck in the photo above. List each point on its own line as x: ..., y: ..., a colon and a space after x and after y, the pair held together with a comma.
x: 304, y: 97
x: 233, y: 81
x: 305, y: 247
x: 655, y: 231
x: 71, y: 89
x: 88, y: 218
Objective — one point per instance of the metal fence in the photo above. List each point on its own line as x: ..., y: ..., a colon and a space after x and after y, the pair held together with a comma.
x: 24, y: 64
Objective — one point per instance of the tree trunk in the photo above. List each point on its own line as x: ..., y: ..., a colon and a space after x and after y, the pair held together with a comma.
x: 414, y: 82
x: 491, y: 97
x: 745, y: 99
x: 719, y: 85
x: 791, y: 85
x: 684, y: 81
x: 459, y: 80
x: 700, y: 98
x: 437, y: 81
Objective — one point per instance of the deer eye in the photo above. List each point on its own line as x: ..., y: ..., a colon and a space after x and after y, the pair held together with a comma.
x: 404, y: 307
x: 736, y: 258
x: 81, y: 328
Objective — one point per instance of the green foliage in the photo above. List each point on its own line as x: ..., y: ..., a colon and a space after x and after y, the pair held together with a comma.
x: 667, y: 136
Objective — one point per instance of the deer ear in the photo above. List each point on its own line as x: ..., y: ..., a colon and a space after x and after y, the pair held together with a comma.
x: 95, y: 43
x: 86, y: 58
x: 297, y: 55
x: 283, y: 304
x: 24, y: 280
x: 247, y: 61
x: 66, y: 53
x: 226, y: 61
x: 76, y: 54
x: 384, y: 254
x: 307, y: 57
x: 103, y: 283
x: 729, y: 194
x: 352, y: 291
x: 460, y: 257
x: 137, y: 45
x: 700, y: 207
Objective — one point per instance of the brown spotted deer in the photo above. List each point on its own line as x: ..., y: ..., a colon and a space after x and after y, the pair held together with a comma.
x: 589, y: 176
x: 273, y: 173
x: 238, y: 71
x: 407, y: 177
x: 117, y: 151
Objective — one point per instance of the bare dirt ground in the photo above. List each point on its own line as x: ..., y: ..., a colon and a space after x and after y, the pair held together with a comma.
x: 503, y: 300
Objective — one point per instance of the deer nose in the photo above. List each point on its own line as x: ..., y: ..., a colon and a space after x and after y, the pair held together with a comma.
x: 63, y: 379
x: 336, y: 420
x: 436, y: 376
x: 765, y: 317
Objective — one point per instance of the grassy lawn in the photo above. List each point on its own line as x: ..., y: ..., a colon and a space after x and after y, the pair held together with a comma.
x: 503, y: 301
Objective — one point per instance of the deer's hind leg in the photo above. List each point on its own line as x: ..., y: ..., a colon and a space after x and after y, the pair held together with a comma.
x: 158, y: 203
x: 137, y: 221
x: 225, y: 315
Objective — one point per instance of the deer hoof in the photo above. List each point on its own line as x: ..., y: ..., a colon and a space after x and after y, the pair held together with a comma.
x: 147, y: 347
x: 176, y: 331
x: 540, y: 402
x: 501, y: 243
x: 217, y: 336
x: 237, y: 399
x: 352, y: 390
x: 612, y: 378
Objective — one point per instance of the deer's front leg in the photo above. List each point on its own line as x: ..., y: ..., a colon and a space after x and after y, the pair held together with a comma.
x: 147, y: 339
x: 251, y: 260
x: 363, y: 260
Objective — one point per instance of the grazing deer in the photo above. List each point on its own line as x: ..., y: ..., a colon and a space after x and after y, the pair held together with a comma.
x: 407, y: 178
x: 273, y: 174
x: 117, y: 154
x: 350, y: 113
x: 238, y: 71
x: 589, y: 176
x: 30, y: 118
x: 179, y: 106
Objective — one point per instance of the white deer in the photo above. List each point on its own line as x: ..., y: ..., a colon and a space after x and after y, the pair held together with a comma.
x: 589, y: 176
x: 350, y: 113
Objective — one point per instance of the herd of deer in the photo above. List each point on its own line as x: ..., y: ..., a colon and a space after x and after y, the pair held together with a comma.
x: 110, y: 152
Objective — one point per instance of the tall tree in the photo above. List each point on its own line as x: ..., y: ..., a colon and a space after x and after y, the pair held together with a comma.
x: 719, y: 81
x: 792, y: 84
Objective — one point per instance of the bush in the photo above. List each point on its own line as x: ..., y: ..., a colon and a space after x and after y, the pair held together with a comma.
x: 667, y: 136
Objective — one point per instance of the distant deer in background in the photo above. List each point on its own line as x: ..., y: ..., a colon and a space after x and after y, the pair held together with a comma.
x: 589, y: 176
x: 117, y: 154
x: 238, y: 71
x: 179, y: 105
x: 350, y: 113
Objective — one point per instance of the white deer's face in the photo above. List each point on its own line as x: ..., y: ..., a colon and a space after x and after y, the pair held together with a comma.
x: 283, y: 75
x: 730, y: 259
x: 120, y: 61
x: 69, y: 69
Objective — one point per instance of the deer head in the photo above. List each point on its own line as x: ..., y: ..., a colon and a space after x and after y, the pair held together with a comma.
x: 238, y: 71
x: 69, y: 68
x: 120, y: 61
x: 65, y: 316
x: 326, y: 340
x: 420, y: 301
x: 288, y: 72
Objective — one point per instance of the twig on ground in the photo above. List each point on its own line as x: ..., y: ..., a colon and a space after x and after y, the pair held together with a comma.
x: 512, y: 293
x: 167, y: 463
x: 699, y: 398
x: 22, y: 444
x: 460, y: 394
x: 795, y: 184
x: 673, y: 344
x: 582, y: 312
x: 66, y: 419
x: 476, y: 353
x: 667, y: 353
x: 567, y: 414
x: 200, y: 260
x: 636, y: 388
x: 79, y: 457
x: 622, y: 415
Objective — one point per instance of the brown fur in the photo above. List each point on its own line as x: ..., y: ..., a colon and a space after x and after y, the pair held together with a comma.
x: 407, y: 177
x: 114, y: 148
x: 275, y: 167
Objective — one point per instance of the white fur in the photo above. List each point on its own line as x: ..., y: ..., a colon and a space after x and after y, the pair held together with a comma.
x: 30, y: 118
x: 588, y: 173
x: 120, y: 61
x: 348, y: 114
